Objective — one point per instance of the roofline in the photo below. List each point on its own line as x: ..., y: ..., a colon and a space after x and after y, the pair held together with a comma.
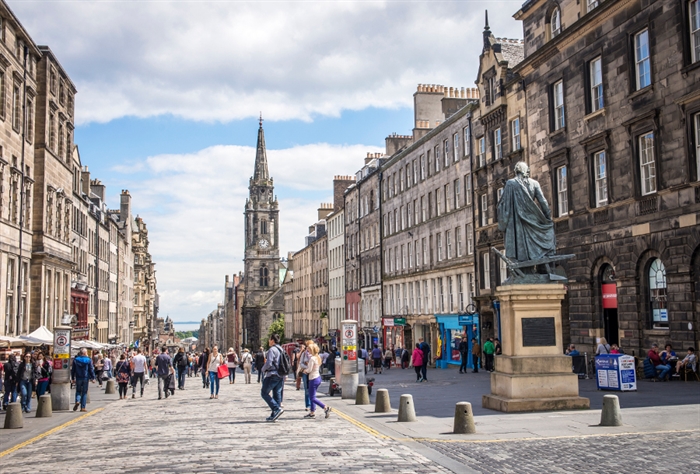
x: 46, y: 51
x: 27, y: 36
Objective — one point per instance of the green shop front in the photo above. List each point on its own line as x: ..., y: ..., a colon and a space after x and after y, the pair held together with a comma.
x: 451, y: 328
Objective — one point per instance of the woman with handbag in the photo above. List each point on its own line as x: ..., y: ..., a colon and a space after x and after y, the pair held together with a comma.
x: 123, y: 375
x: 43, y: 369
x: 247, y: 362
x: 213, y: 363
x: 312, y: 369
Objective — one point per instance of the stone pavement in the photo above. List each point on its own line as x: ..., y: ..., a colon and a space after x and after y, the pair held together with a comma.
x: 191, y: 433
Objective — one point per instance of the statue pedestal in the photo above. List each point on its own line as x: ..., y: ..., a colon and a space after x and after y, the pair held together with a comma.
x: 532, y: 374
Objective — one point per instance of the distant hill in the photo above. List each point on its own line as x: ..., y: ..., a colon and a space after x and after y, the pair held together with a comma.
x: 185, y: 334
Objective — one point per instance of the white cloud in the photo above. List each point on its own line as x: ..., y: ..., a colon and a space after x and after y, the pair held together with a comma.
x: 193, y: 206
x: 228, y: 60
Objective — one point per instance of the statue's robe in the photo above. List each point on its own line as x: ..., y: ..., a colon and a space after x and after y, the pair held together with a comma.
x: 525, y: 218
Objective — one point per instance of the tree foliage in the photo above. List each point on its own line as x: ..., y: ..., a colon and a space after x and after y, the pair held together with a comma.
x: 277, y: 327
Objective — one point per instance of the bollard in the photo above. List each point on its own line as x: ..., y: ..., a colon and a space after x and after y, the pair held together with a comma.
x: 611, y: 416
x: 13, y: 416
x: 362, y: 395
x: 109, y: 387
x: 464, y: 419
x: 407, y: 412
x: 382, y: 404
x: 44, y: 408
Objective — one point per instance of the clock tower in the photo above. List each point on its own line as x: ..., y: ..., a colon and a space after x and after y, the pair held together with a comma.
x: 264, y: 300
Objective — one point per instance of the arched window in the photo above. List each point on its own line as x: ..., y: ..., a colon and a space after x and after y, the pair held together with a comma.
x: 264, y: 278
x: 657, y: 294
x: 555, y: 23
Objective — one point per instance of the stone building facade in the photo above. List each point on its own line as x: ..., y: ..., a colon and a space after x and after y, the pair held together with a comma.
x: 19, y: 57
x: 428, y: 268
x: 145, y: 294
x: 614, y: 113
x: 264, y: 300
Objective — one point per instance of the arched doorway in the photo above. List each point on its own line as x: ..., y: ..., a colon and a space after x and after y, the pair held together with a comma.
x: 608, y: 293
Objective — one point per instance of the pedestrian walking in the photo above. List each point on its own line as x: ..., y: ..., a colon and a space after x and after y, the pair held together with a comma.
x: 476, y: 354
x: 82, y: 372
x: 123, y: 372
x: 259, y: 362
x: 488, y: 350
x: 417, y: 361
x: 180, y: 363
x: 388, y: 357
x: 296, y: 354
x: 203, y: 359
x: 232, y: 364
x: 312, y: 370
x: 464, y: 354
x: 377, y: 358
x: 11, y: 369
x: 99, y: 368
x: 107, y: 368
x: 405, y: 358
x: 215, y: 360
x: 247, y: 361
x: 303, y: 364
x: 425, y: 348
x: 139, y: 365
x: 27, y: 381
x: 273, y: 381
x: 163, y: 365
x: 43, y: 370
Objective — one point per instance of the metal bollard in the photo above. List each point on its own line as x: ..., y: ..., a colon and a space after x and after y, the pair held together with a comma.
x: 382, y: 404
x: 109, y: 387
x: 464, y: 419
x: 44, y: 408
x: 13, y: 416
x: 611, y: 416
x: 407, y: 412
x: 362, y: 395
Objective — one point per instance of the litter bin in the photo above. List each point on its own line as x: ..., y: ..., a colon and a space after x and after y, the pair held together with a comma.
x: 615, y: 372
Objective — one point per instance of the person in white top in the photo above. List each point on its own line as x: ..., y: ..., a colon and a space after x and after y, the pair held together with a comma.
x: 313, y: 368
x: 247, y: 361
x: 138, y: 367
x: 215, y: 360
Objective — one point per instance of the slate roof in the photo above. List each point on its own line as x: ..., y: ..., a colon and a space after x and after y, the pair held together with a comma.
x: 513, y: 51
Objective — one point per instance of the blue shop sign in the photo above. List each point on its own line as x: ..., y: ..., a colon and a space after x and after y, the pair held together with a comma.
x: 468, y: 319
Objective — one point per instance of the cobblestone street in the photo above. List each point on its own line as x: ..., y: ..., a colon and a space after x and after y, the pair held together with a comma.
x: 191, y: 433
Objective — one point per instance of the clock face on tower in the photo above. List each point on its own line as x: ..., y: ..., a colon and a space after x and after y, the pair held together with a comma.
x: 263, y: 243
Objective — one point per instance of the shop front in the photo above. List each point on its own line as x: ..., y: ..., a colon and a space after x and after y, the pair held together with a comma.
x: 393, y: 332
x: 451, y: 328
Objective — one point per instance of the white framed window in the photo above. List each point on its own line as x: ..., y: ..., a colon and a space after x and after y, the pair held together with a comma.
x: 455, y: 193
x: 558, y: 97
x: 424, y: 246
x: 487, y: 270
x: 438, y: 237
x: 647, y: 163
x: 515, y: 133
x: 658, y: 294
x: 467, y: 141
x: 596, y: 71
x: 410, y: 255
x: 418, y: 301
x: 455, y: 146
x: 403, y: 257
x: 442, y: 295
x: 694, y: 10
x: 435, y: 304
x: 460, y: 292
x: 497, y: 147
x: 468, y: 189
x: 591, y: 4
x: 422, y: 167
x: 555, y: 23
x: 446, y: 154
x: 448, y: 241
x: 450, y: 299
x: 697, y: 145
x: 484, y: 209
x: 601, y: 179
x: 482, y: 151
x: 401, y: 180
x: 458, y: 240
x: 415, y: 172
x: 641, y: 59
x: 562, y: 194
x: 426, y: 296
x: 437, y: 158
x: 470, y: 239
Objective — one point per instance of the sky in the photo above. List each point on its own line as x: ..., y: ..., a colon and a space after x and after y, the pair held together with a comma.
x: 169, y: 95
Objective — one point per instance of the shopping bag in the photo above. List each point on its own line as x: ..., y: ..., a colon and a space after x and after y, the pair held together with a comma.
x: 222, y: 371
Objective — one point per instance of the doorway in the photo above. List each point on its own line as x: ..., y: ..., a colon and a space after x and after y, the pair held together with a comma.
x: 611, y: 324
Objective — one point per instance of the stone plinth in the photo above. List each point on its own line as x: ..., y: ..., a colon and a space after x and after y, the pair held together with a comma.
x: 532, y: 374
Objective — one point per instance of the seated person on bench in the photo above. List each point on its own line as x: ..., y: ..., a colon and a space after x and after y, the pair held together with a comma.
x: 661, y: 368
x: 689, y: 360
x: 571, y: 350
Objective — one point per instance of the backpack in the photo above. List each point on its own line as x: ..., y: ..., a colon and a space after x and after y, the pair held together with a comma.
x: 284, y: 367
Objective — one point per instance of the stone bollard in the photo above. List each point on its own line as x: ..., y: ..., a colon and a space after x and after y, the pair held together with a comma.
x: 44, y: 408
x: 464, y: 419
x: 407, y: 412
x: 362, y: 395
x: 13, y: 416
x: 611, y: 416
x: 382, y: 404
x: 109, y: 387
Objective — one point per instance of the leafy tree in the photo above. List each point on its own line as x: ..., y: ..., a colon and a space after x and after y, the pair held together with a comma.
x: 277, y: 327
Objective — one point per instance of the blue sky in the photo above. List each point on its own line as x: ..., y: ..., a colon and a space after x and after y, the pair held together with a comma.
x: 169, y: 95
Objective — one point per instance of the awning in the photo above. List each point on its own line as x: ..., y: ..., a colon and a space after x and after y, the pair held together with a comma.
x: 9, y: 341
x: 40, y: 336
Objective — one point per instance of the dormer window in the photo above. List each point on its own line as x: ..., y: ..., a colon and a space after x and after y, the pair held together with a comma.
x: 555, y: 23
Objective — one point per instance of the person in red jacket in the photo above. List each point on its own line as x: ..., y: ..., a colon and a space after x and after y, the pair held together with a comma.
x: 417, y: 361
x: 661, y: 368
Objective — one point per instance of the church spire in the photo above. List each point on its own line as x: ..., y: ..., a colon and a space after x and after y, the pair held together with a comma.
x: 261, y: 173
